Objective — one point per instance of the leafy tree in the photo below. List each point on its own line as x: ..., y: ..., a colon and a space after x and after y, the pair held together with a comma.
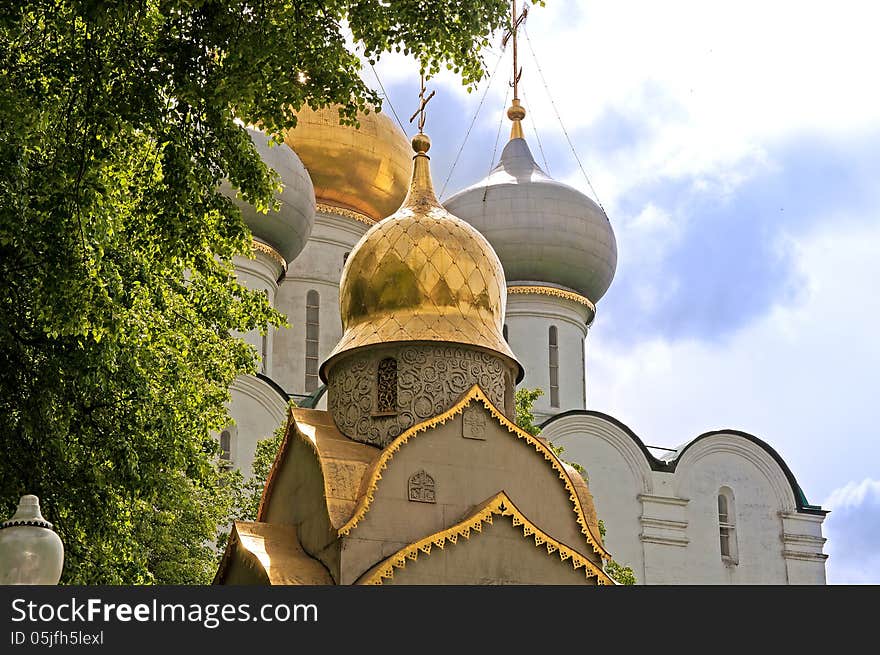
x: 118, y: 121
x: 524, y: 399
x: 252, y: 490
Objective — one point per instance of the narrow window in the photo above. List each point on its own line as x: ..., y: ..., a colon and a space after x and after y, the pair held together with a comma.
x: 727, y: 525
x: 554, y: 367
x: 345, y: 258
x: 386, y: 387
x: 264, y: 345
x: 312, y: 327
x: 504, y: 332
x: 226, y: 446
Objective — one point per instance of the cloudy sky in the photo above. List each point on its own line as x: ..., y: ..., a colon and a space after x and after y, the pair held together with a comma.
x: 735, y: 148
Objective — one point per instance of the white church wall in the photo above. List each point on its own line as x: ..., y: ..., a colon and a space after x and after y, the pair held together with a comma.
x: 529, y: 318
x: 258, y: 410
x: 665, y: 523
x: 318, y: 268
x: 617, y: 475
x: 803, y: 543
x: 760, y: 492
x: 260, y: 274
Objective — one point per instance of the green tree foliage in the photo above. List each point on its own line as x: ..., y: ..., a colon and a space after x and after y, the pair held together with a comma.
x: 524, y: 399
x: 118, y: 120
x: 264, y: 457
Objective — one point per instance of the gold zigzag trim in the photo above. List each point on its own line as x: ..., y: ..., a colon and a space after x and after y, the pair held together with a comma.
x: 553, y: 291
x: 340, y: 211
x: 498, y: 505
x: 475, y: 393
x: 266, y: 249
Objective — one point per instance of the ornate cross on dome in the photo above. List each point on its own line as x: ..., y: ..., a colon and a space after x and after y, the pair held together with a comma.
x: 420, y: 112
x: 515, y: 22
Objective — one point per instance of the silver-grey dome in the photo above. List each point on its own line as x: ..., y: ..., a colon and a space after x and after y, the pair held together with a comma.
x: 287, y: 229
x: 543, y: 230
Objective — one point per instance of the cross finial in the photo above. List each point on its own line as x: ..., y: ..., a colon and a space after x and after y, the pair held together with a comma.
x: 515, y: 22
x: 420, y: 112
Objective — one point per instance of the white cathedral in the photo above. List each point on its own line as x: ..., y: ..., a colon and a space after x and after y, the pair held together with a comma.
x: 722, y: 509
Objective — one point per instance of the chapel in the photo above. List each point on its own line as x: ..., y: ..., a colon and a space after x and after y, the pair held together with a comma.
x: 413, y: 323
x: 416, y: 472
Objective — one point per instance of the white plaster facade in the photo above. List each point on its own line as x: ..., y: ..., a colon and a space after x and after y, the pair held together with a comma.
x: 662, y: 515
x: 318, y: 268
x: 529, y: 318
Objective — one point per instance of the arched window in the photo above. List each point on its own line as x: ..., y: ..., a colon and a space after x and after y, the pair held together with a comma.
x: 727, y: 525
x: 386, y: 386
x: 226, y: 445
x: 312, y: 307
x: 504, y: 332
x: 554, y: 367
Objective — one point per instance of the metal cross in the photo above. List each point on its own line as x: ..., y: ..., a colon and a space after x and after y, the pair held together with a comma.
x: 420, y: 112
x: 515, y: 22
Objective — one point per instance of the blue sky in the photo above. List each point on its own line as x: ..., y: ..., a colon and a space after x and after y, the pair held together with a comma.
x: 736, y: 148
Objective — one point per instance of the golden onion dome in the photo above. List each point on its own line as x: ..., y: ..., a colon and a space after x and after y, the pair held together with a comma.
x: 422, y: 274
x: 364, y: 169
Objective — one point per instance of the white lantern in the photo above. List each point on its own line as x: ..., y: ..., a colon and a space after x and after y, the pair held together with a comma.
x: 30, y: 551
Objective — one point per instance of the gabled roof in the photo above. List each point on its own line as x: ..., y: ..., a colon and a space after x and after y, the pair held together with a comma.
x: 343, y: 462
x: 578, y: 496
x: 274, y: 552
x: 471, y: 525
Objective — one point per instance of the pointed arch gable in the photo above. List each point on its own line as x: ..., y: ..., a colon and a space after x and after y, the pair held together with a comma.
x: 262, y: 553
x: 499, y: 505
x: 474, y: 395
x: 339, y: 462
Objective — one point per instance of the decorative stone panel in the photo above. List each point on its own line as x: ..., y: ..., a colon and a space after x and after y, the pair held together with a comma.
x: 473, y: 425
x: 430, y: 379
x: 420, y: 488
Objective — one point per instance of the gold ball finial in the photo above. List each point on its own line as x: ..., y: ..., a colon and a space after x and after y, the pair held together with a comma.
x: 421, y: 143
x: 516, y: 112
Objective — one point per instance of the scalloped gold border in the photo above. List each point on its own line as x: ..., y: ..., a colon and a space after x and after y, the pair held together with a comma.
x: 340, y: 211
x: 266, y: 249
x: 499, y: 505
x: 475, y: 393
x: 553, y: 291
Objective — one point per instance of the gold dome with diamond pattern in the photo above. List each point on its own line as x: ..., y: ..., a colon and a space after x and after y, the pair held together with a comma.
x: 424, y: 275
x: 365, y: 170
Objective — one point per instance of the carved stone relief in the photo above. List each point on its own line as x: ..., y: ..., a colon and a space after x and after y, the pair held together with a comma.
x: 430, y: 378
x: 420, y: 488
x: 473, y: 424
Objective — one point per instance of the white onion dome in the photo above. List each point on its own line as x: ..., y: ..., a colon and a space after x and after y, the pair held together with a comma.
x: 287, y: 229
x: 544, y: 231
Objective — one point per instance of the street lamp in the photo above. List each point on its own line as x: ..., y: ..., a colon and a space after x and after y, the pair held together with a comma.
x: 30, y: 551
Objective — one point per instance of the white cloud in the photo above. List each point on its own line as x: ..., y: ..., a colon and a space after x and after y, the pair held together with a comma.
x: 709, y: 86
x: 853, y: 531
x: 804, y: 377
x: 853, y: 494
